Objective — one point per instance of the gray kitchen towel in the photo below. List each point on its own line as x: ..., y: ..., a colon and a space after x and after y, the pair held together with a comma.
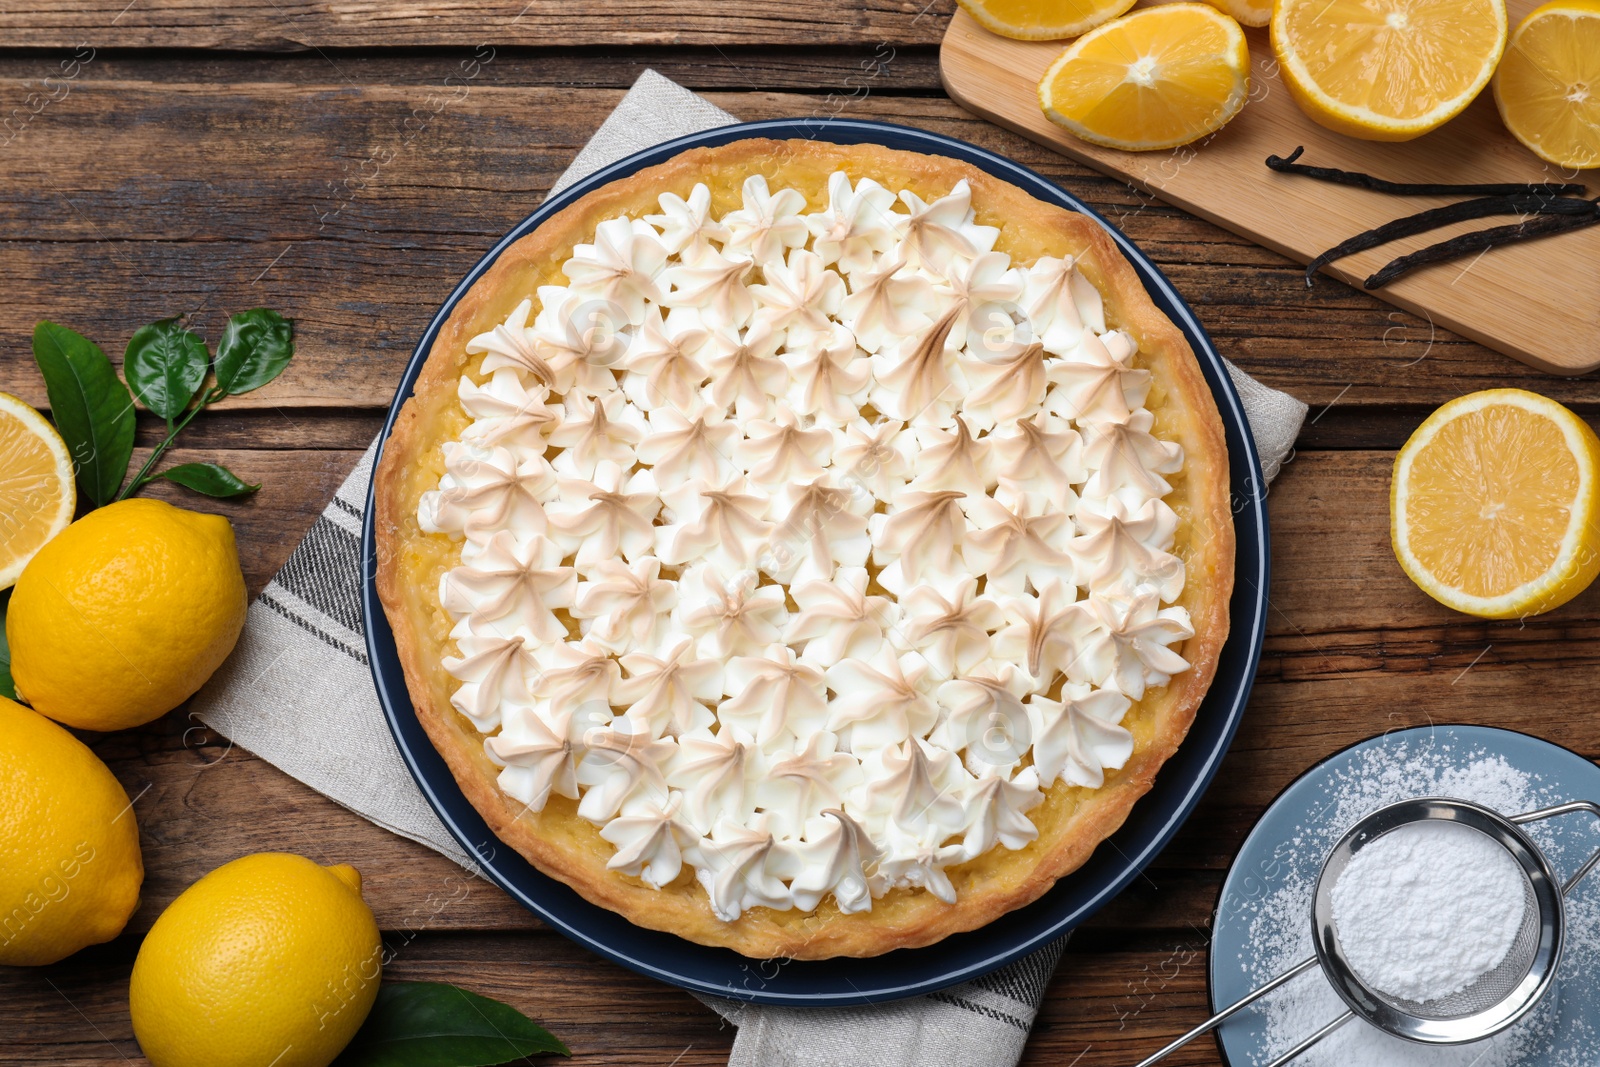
x: 299, y: 677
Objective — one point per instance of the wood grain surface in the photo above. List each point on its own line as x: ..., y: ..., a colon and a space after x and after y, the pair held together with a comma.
x: 1552, y: 325
x: 206, y: 159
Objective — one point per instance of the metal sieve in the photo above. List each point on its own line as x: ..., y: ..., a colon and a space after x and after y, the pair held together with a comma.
x: 1494, y: 1000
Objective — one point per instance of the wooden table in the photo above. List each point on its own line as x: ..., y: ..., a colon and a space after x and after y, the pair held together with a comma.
x: 347, y: 162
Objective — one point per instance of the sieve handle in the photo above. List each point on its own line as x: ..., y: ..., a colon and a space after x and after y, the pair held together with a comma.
x: 1566, y: 809
x: 1313, y: 1039
x: 1248, y: 999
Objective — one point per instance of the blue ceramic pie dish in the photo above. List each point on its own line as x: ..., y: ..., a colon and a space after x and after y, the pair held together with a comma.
x: 959, y: 958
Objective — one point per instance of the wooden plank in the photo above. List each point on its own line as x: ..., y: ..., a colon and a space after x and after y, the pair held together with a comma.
x: 295, y: 25
x: 1549, y: 325
x: 234, y: 196
x: 271, y: 429
x: 848, y: 68
x: 295, y: 486
x: 1110, y: 1002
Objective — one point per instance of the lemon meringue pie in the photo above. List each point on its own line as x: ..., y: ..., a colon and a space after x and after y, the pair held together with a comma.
x: 807, y: 549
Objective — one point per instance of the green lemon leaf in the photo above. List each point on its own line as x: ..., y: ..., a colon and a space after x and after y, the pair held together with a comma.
x: 433, y: 1024
x: 165, y: 365
x: 208, y: 478
x: 90, y: 406
x: 256, y: 345
x: 8, y: 688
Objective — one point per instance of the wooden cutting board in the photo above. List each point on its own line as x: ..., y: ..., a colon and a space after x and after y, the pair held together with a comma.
x: 1538, y: 302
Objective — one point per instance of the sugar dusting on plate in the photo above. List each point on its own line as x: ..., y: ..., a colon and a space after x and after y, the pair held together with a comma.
x: 1280, y: 924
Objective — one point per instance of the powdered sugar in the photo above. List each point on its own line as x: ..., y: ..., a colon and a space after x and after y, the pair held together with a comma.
x: 1427, y: 909
x: 1278, y: 927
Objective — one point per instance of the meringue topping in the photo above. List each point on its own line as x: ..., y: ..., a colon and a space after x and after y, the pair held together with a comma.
x: 591, y: 429
x: 799, y: 787
x: 1014, y: 545
x: 669, y: 693
x: 580, y: 338
x: 799, y: 297
x: 620, y: 267
x: 774, y: 693
x: 768, y: 224
x: 745, y: 371
x: 484, y: 489
x: 596, y: 519
x: 836, y: 857
x: 522, y: 581
x: 664, y: 361
x: 733, y: 616
x: 837, y: 619
x: 920, y: 540
x: 512, y: 345
x: 686, y: 226
x: 622, y: 606
x: 1061, y: 304
x: 921, y: 376
x: 494, y: 669
x: 887, y: 302
x: 938, y: 232
x: 650, y: 839
x: 505, y: 411
x: 1123, y: 454
x: 953, y: 459
x: 1122, y: 548
x: 742, y: 867
x: 724, y: 524
x: 807, y: 549
x: 881, y: 701
x: 818, y: 531
x: 1011, y: 379
x: 1078, y: 737
x: 830, y: 377
x: 713, y: 771
x: 715, y: 284
x: 951, y: 630
x: 857, y: 224
x: 536, y: 755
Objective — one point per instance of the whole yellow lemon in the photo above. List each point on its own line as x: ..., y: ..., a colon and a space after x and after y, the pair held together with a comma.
x: 269, y: 959
x: 70, y: 868
x: 125, y: 613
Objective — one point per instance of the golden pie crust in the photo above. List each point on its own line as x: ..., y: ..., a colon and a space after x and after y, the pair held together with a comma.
x: 1071, y: 820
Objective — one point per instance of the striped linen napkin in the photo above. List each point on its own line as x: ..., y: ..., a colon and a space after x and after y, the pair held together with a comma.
x: 300, y: 675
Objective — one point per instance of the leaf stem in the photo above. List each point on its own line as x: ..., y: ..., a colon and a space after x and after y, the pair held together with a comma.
x: 144, y: 477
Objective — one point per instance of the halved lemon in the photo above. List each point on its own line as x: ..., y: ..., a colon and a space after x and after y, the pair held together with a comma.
x: 1387, y: 70
x: 1548, y: 84
x: 1158, y: 78
x: 1043, y: 20
x: 36, y: 491
x: 1494, y: 508
x: 1248, y: 12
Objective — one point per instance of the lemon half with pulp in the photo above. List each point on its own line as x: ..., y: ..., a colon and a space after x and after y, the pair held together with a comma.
x: 1494, y: 508
x: 1043, y: 20
x: 1548, y: 84
x: 1159, y: 78
x: 1387, y: 70
x: 37, y: 495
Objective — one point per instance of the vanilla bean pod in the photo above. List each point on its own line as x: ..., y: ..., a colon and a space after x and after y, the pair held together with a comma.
x: 1287, y: 165
x: 1462, y: 211
x: 1482, y: 241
